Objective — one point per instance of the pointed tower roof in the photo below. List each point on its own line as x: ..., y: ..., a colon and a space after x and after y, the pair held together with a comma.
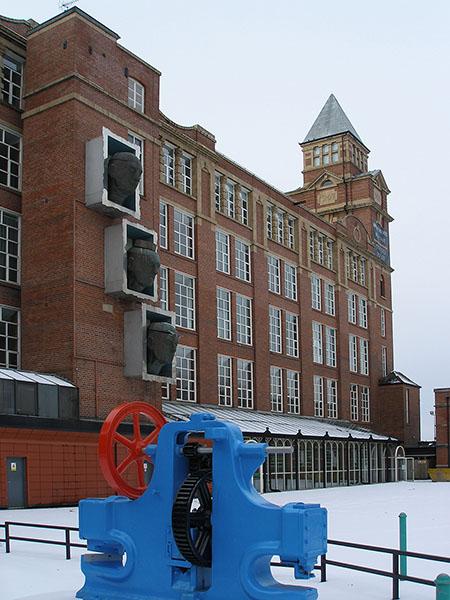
x: 331, y: 121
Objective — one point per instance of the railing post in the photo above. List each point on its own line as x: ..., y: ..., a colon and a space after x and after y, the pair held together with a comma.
x: 442, y: 582
x: 403, y: 542
x: 395, y: 579
x: 7, y: 540
x: 323, y: 567
x: 67, y: 531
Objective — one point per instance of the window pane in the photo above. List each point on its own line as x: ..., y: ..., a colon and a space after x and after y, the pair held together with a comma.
x: 48, y: 401
x: 6, y: 397
x: 68, y: 403
x: 26, y: 399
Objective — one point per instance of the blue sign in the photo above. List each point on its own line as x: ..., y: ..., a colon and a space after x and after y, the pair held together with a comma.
x: 381, y: 246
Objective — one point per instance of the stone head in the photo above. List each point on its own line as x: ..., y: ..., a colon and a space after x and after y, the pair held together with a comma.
x: 162, y: 342
x: 143, y: 264
x: 124, y: 172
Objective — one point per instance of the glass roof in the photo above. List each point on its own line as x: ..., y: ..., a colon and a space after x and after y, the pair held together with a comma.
x: 32, y: 377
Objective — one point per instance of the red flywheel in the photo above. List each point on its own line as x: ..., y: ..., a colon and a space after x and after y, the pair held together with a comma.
x: 122, y: 458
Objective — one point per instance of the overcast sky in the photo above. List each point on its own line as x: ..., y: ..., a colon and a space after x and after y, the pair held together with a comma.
x: 256, y: 74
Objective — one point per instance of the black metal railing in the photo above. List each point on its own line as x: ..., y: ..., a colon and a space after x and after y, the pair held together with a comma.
x: 67, y: 542
x: 394, y: 574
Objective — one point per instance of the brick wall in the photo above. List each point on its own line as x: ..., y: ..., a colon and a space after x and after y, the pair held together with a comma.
x: 61, y: 467
x: 442, y: 423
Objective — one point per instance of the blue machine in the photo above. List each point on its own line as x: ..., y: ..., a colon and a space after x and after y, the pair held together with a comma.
x: 200, y: 530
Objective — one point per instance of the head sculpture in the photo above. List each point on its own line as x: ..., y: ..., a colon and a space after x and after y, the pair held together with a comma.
x: 143, y: 264
x: 162, y: 342
x: 123, y: 172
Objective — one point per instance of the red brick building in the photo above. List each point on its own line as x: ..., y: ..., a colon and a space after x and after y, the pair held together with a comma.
x: 442, y: 424
x: 283, y: 300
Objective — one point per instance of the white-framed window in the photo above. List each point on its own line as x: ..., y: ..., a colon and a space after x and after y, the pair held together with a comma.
x: 222, y: 251
x: 365, y: 404
x: 10, y: 158
x: 318, y: 396
x: 354, y: 402
x: 136, y: 94
x: 290, y: 281
x: 230, y: 198
x: 225, y: 380
x: 186, y: 173
x: 279, y: 226
x: 139, y: 142
x: 223, y: 314
x: 165, y: 391
x: 383, y: 322
x: 242, y: 260
x: 291, y: 232
x: 274, y: 329
x: 362, y: 271
x: 364, y: 356
x: 243, y: 197
x: 243, y: 320
x: 12, y: 79
x: 218, y: 191
x: 293, y: 391
x: 384, y: 368
x: 291, y: 335
x: 330, y: 345
x: 316, y: 292
x: 9, y: 247
x: 363, y: 312
x: 186, y: 373
x: 334, y: 152
x: 276, y: 389
x: 317, y: 342
x: 273, y: 267
x: 184, y: 301
x: 316, y: 156
x: 320, y: 249
x: 9, y: 337
x: 325, y: 154
x: 163, y: 288
x: 330, y: 303
x: 329, y: 255
x: 183, y: 233
x: 354, y: 267
x: 353, y: 353
x: 162, y: 224
x: 245, y: 383
x: 407, y: 407
x: 352, y: 308
x: 169, y: 163
x: 269, y: 221
x: 312, y: 244
x: 332, y: 402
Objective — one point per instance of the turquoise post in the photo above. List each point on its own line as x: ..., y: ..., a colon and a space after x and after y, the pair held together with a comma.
x: 442, y: 582
x: 403, y: 542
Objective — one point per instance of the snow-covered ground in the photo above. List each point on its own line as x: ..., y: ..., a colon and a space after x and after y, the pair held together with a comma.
x: 365, y: 514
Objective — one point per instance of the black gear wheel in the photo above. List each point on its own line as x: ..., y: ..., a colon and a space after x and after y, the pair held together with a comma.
x: 191, y: 519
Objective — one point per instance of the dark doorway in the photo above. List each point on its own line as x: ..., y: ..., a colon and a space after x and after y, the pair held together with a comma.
x: 16, y: 477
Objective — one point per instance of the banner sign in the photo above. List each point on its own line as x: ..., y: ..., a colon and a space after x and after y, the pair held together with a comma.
x: 381, y: 246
